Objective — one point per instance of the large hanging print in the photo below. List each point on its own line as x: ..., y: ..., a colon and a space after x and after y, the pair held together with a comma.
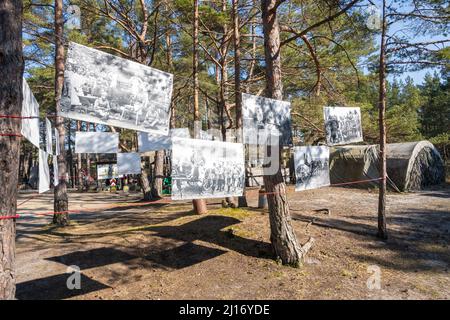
x: 311, y: 167
x: 262, y: 117
x: 206, y: 169
x: 30, y: 113
x: 96, y: 142
x: 342, y: 125
x: 102, y: 88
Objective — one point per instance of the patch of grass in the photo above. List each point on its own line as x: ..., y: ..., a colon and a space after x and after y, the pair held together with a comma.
x: 236, y: 231
x: 346, y: 273
x: 237, y: 213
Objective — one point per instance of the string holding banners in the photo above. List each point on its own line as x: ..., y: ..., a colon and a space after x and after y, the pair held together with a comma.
x: 311, y: 167
x: 266, y: 117
x: 342, y: 125
x: 30, y: 116
x: 96, y: 142
x: 106, y: 89
x: 207, y: 169
x: 128, y: 163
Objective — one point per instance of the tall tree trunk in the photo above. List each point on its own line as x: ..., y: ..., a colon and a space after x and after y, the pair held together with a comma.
x: 199, y: 204
x: 79, y: 164
x: 157, y: 181
x: 61, y: 200
x: 11, y: 71
x: 282, y: 237
x: 88, y: 161
x: 382, y: 230
x: 70, y: 155
x: 145, y: 184
x: 242, y: 201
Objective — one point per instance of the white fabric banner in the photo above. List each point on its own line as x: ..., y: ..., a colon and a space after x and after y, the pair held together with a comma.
x: 57, y: 147
x: 311, y: 167
x: 153, y: 142
x: 180, y: 133
x: 128, y: 163
x: 207, y: 169
x: 30, y: 108
x: 48, y: 137
x: 96, y: 142
x: 55, y: 170
x: 106, y: 89
x: 44, y: 172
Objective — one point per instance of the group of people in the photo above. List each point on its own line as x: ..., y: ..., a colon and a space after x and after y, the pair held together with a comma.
x: 106, y: 97
x: 343, y: 128
x: 197, y: 177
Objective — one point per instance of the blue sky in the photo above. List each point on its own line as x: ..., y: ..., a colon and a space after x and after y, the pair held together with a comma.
x: 402, y: 27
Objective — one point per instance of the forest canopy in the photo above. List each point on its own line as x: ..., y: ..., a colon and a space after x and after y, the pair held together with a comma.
x: 323, y: 63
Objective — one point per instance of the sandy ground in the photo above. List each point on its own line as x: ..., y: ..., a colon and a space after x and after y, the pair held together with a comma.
x: 164, y: 251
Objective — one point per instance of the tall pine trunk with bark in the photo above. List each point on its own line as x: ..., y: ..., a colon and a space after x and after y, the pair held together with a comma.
x: 242, y: 201
x: 282, y: 236
x: 61, y: 200
x: 11, y: 71
x: 382, y: 230
x: 198, y: 204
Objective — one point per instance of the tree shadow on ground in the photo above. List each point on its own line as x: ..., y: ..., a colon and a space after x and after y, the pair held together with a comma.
x: 418, y: 239
x: 55, y: 288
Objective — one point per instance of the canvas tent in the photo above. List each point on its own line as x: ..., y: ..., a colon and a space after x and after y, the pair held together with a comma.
x: 410, y: 166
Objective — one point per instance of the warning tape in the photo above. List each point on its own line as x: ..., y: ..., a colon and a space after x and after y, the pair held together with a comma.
x: 10, y: 135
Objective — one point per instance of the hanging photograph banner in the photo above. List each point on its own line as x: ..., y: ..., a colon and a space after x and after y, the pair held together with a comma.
x: 55, y: 170
x: 153, y: 142
x: 57, y: 147
x: 96, y: 142
x: 206, y: 169
x: 48, y: 136
x: 267, y: 117
x: 30, y: 108
x: 44, y: 172
x: 107, y: 171
x: 311, y: 167
x: 128, y: 163
x: 106, y: 89
x: 342, y: 125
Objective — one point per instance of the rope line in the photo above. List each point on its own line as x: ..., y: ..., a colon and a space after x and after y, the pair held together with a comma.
x: 140, y: 204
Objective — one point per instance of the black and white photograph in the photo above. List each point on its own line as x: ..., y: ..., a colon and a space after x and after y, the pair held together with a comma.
x: 263, y: 117
x: 96, y: 142
x: 107, y: 171
x: 206, y: 169
x: 342, y: 125
x: 103, y: 88
x: 30, y: 111
x: 311, y: 167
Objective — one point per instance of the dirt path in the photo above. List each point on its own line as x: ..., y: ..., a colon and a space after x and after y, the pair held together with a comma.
x: 164, y: 251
